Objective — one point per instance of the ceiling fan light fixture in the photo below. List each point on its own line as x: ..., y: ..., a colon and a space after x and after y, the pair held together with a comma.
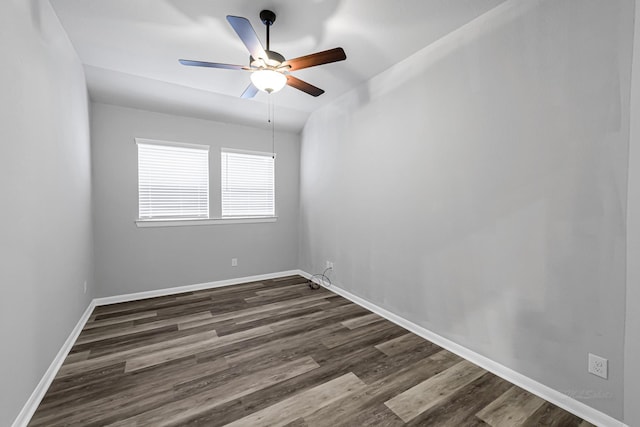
x: 269, y: 69
x: 269, y: 81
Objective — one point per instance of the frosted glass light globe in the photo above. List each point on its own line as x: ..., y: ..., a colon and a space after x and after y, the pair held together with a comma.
x: 269, y: 81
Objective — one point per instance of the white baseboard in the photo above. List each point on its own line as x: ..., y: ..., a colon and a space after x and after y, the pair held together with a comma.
x: 557, y: 398
x: 190, y: 288
x: 34, y: 400
x: 578, y: 408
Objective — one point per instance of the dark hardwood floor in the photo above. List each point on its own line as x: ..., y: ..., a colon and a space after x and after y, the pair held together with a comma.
x: 272, y: 353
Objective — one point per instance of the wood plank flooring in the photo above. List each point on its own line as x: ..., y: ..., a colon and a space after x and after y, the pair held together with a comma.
x: 272, y: 353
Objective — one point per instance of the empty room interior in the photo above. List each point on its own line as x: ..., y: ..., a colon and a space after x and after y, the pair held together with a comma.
x: 320, y: 212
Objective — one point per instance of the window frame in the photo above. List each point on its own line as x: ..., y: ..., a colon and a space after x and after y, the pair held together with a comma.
x: 173, y: 144
x: 270, y: 155
x: 213, y: 185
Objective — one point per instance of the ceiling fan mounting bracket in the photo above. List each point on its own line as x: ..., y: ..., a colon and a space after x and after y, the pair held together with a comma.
x: 267, y: 17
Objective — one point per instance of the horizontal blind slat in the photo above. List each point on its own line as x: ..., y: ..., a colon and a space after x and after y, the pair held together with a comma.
x: 173, y: 181
x: 247, y: 184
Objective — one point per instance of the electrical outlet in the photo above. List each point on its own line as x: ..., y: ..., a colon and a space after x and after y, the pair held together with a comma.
x: 598, y: 365
x: 234, y: 262
x: 329, y: 264
x: 85, y: 287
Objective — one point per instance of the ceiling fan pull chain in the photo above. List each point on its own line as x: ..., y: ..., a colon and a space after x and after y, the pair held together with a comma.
x: 273, y: 128
x: 272, y: 121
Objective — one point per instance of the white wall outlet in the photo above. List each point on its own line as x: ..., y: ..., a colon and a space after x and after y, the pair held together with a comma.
x: 598, y: 365
x: 85, y: 287
x: 329, y: 264
x: 234, y: 262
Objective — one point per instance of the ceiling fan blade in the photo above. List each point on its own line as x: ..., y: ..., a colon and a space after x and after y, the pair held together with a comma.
x: 319, y: 58
x: 304, y: 86
x: 247, y: 34
x: 249, y: 92
x: 191, y: 63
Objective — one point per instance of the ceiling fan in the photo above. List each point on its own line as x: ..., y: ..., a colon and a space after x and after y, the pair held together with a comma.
x: 270, y: 71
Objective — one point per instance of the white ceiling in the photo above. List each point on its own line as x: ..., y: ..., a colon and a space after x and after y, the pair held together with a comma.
x: 130, y: 49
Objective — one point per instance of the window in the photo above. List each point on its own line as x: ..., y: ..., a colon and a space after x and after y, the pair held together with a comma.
x: 247, y: 183
x: 173, y: 180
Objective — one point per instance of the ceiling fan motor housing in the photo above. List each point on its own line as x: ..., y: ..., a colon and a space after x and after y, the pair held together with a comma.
x: 275, y: 59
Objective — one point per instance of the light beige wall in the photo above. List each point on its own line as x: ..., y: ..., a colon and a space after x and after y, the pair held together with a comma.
x: 479, y: 187
x: 632, y: 341
x: 131, y: 259
x: 45, y: 193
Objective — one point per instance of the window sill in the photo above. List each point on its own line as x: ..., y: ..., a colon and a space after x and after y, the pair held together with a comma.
x: 143, y: 223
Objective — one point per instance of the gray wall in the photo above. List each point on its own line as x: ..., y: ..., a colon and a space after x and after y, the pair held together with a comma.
x: 45, y: 185
x: 479, y: 189
x: 632, y: 341
x: 131, y: 259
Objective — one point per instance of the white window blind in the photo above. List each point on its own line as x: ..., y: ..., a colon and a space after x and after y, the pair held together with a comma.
x: 247, y: 183
x: 173, y: 180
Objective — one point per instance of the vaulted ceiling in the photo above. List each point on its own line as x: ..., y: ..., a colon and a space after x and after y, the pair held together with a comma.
x: 130, y: 49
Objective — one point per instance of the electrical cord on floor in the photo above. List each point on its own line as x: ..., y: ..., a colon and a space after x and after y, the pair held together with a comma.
x: 322, y: 277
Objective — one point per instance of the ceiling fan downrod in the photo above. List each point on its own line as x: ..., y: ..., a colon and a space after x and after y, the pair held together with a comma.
x: 268, y: 18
